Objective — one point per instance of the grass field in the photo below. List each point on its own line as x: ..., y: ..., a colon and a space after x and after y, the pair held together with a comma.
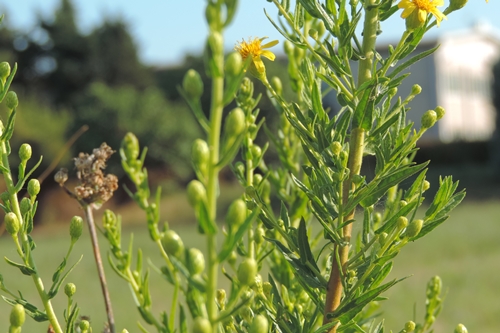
x: 465, y: 252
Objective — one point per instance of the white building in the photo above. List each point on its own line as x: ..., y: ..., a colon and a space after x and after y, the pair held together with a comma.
x: 458, y: 77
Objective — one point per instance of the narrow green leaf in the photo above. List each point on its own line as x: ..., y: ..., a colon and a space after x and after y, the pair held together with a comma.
x: 30, y: 309
x: 23, y: 268
x: 230, y: 242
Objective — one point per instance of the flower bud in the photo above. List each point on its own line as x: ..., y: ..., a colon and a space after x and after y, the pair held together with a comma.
x: 260, y: 324
x: 25, y: 152
x: 434, y: 287
x: 84, y: 326
x: 247, y: 271
x: 336, y: 148
x: 277, y: 85
x: 196, y: 261
x: 200, y: 154
x: 402, y: 203
x: 202, y: 325
x: 75, y: 228
x: 267, y: 288
x: 11, y: 100
x: 196, y: 193
x: 410, y: 326
x: 259, y: 235
x: 460, y: 329
x: 402, y: 222
x: 216, y: 42
x: 313, y: 33
x: 457, y: 4
x: 288, y: 47
x: 233, y: 64
x: 25, y: 205
x: 426, y: 185
x: 382, y: 238
x: 192, y: 84
x: 11, y: 223
x: 236, y: 214
x: 321, y: 28
x: 235, y: 122
x: 70, y: 289
x: 246, y: 90
x: 172, y: 243
x: 220, y: 295
x: 440, y: 112
x: 256, y: 152
x: 17, y: 316
x: 392, y: 92
x: 124, y: 331
x: 416, y: 89
x: 429, y: 119
x: 4, y: 71
x: 212, y: 16
x: 130, y: 146
x: 33, y: 187
x: 414, y: 228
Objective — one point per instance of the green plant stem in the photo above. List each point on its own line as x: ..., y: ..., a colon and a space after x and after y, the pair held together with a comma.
x: 212, y: 187
x: 100, y: 269
x: 28, y: 258
x: 356, y: 148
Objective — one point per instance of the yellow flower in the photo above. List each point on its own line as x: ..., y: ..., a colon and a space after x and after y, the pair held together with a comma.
x: 422, y: 8
x: 254, y: 48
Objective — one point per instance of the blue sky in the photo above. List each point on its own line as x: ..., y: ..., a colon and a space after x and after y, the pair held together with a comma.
x: 166, y: 29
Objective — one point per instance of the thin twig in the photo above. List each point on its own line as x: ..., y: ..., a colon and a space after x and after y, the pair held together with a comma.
x: 95, y: 246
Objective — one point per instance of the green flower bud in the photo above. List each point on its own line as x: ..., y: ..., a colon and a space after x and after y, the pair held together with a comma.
x: 212, y: 16
x: 277, y: 85
x: 416, y: 89
x: 434, y: 287
x: 239, y: 169
x: 321, y: 28
x: 256, y: 152
x: 4, y: 71
x: 220, y: 295
x: 236, y: 214
x: 259, y: 235
x: 402, y: 203
x: 457, y: 4
x: 426, y: 185
x: 11, y: 223
x: 17, y: 316
x: 336, y: 148
x: 234, y: 64
x: 196, y: 193
x: 130, y: 146
x: 192, y: 84
x: 410, y: 326
x: 247, y: 271
x: 202, y: 325
x: 299, y: 53
x: 25, y: 205
x: 172, y: 243
x: 257, y: 178
x: 11, y: 100
x: 377, y: 218
x: 402, y: 222
x: 232, y: 258
x: 429, y: 119
x: 196, y: 261
x: 246, y: 90
x: 460, y: 329
x: 25, y: 152
x: 33, y: 187
x: 288, y: 47
x: 382, y: 238
x: 200, y: 154
x: 235, y: 122
x: 440, y: 112
x: 392, y: 92
x: 75, y: 228
x: 84, y: 325
x: 216, y: 42
x: 414, y: 228
x: 70, y: 289
x: 124, y: 331
x: 267, y: 288
x: 313, y: 33
x: 259, y: 324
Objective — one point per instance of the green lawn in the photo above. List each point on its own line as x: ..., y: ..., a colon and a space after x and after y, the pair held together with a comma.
x: 465, y: 252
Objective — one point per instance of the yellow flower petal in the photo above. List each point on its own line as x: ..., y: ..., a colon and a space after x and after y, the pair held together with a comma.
x: 268, y: 54
x: 253, y: 48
